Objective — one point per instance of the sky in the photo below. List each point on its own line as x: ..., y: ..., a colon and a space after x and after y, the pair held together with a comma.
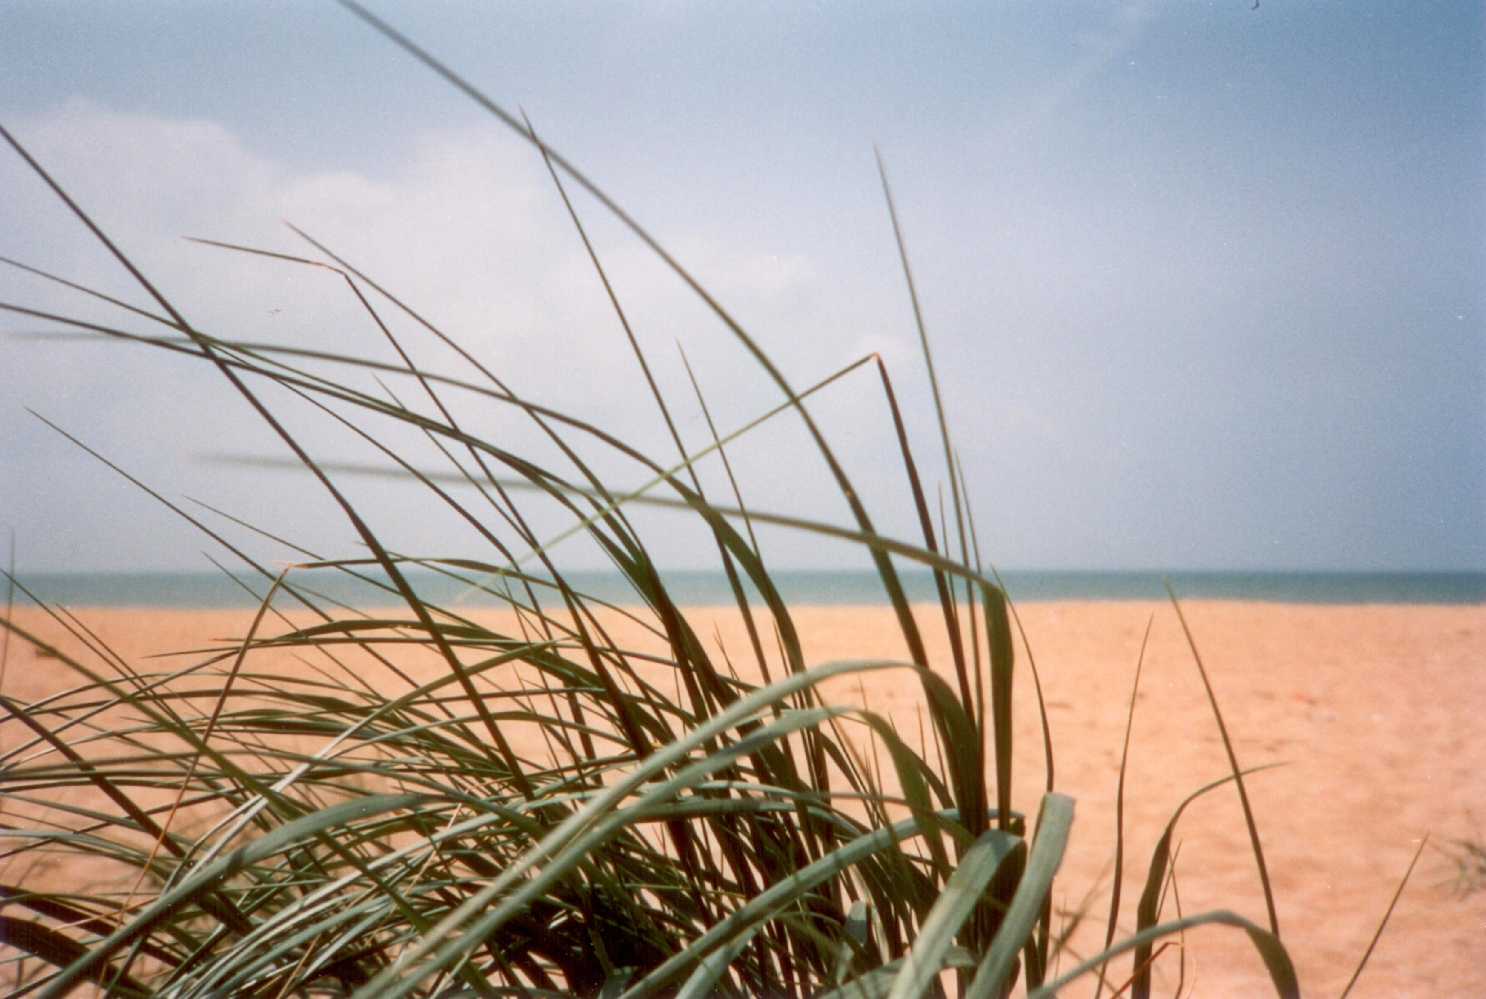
x: 1205, y: 284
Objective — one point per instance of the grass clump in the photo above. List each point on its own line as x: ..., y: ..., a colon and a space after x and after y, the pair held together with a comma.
x: 1467, y: 856
x: 425, y: 803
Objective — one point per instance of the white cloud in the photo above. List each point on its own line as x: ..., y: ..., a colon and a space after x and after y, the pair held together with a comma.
x: 467, y: 227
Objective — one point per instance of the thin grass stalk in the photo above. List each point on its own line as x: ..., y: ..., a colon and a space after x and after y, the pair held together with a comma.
x: 923, y: 339
x: 1243, y: 794
x: 1383, y: 923
x: 1119, y: 861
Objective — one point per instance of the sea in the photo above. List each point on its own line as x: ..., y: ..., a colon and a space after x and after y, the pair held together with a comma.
x: 798, y: 588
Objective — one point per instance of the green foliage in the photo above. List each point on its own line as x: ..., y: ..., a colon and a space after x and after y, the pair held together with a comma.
x: 314, y: 810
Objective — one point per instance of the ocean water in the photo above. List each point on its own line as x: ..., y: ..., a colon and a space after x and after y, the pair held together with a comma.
x: 801, y: 588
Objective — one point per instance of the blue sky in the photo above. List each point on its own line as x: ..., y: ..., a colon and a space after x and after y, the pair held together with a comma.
x: 1206, y: 284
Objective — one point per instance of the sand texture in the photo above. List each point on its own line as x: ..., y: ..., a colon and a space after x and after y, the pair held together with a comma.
x: 1378, y: 714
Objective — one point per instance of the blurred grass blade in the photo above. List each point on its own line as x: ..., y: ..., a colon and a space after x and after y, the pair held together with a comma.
x: 60, y: 951
x: 1053, y: 822
x: 955, y: 905
x: 875, y: 984
x: 1276, y: 959
x: 712, y: 971
x: 205, y: 878
x: 1148, y: 909
x: 763, y: 906
x: 1119, y: 857
x: 1383, y: 925
x: 1243, y: 794
x: 998, y: 641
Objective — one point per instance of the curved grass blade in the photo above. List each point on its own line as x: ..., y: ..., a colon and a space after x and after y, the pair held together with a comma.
x: 1243, y: 794
x: 204, y: 879
x: 567, y: 844
x: 745, y: 920
x: 1386, y: 916
x: 1051, y: 838
x: 1276, y: 959
x: 1148, y: 910
x: 998, y: 641
x: 955, y: 905
x: 1119, y: 861
x: 60, y: 950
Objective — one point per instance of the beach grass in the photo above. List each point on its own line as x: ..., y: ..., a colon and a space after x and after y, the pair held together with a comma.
x: 585, y: 799
x: 1467, y: 857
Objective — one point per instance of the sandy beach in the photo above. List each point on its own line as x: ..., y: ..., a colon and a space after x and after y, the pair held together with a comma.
x: 1377, y: 713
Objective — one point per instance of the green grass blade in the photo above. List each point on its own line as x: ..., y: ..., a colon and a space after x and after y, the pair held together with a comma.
x: 1148, y: 909
x: 1053, y: 823
x: 204, y: 879
x: 748, y: 916
x: 1276, y: 959
x: 1243, y: 794
x: 1119, y: 859
x: 998, y: 641
x: 1383, y: 924
x: 955, y: 905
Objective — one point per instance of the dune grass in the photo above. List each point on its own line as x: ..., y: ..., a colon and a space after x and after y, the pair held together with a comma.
x: 421, y: 803
x: 1467, y: 856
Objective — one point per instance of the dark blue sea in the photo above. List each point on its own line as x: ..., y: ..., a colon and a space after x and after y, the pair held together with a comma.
x: 801, y: 588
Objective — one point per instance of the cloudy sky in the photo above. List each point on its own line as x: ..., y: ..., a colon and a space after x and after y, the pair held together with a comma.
x: 1206, y: 284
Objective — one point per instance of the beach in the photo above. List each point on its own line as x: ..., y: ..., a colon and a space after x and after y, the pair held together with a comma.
x: 1375, y: 713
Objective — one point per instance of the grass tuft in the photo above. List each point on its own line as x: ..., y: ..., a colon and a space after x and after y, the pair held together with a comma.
x: 1467, y: 857
x: 566, y: 797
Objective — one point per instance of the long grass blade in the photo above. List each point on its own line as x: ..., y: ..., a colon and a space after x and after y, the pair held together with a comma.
x: 1276, y: 959
x: 1243, y: 794
x: 1119, y: 860
x: 955, y: 905
x: 1383, y: 924
x: 1051, y: 839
